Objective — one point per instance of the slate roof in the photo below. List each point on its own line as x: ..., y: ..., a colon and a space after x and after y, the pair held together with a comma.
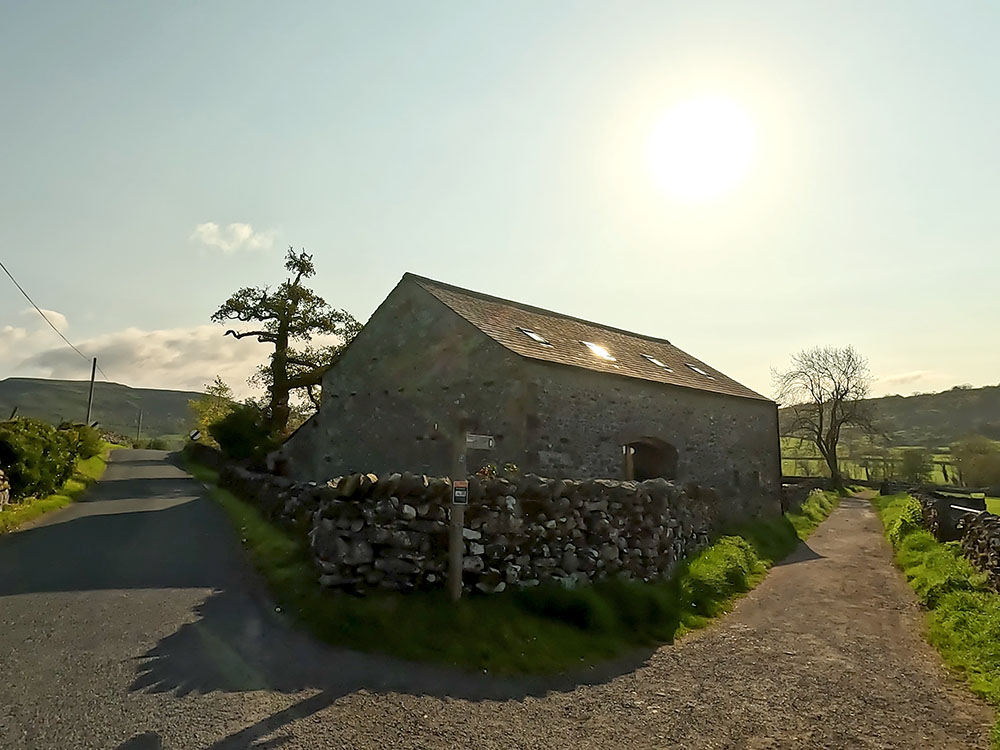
x: 503, y: 321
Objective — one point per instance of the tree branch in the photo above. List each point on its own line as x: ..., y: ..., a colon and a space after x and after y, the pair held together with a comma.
x: 262, y: 336
x: 310, y: 390
x: 293, y: 360
x: 307, y: 378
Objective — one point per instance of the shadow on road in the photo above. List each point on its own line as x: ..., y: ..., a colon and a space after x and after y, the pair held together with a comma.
x: 124, y: 489
x: 156, y: 530
x: 144, y: 741
x: 802, y: 553
x: 239, y: 643
x: 172, y: 543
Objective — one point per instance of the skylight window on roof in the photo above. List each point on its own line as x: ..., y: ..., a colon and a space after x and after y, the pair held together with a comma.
x: 699, y: 370
x: 536, y: 337
x: 658, y: 363
x: 598, y: 351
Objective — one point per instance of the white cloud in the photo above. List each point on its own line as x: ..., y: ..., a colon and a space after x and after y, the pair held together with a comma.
x: 913, y: 381
x: 905, y: 378
x: 18, y: 341
x: 234, y: 237
x: 177, y: 358
x: 58, y: 319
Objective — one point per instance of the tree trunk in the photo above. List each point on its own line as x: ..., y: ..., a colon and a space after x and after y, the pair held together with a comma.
x: 834, y: 465
x: 280, y: 411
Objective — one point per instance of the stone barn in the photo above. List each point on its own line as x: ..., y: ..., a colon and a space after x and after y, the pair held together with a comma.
x: 444, y: 380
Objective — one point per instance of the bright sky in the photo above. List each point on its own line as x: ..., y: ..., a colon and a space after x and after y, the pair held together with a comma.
x: 841, y: 184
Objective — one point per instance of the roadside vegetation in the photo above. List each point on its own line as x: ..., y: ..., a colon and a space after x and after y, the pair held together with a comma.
x: 963, y: 614
x: 162, y: 443
x: 46, y: 467
x: 543, y: 630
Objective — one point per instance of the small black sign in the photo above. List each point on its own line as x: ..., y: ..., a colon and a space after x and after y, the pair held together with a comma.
x: 460, y: 492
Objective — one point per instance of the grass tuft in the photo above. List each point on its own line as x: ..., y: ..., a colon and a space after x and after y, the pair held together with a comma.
x: 541, y: 630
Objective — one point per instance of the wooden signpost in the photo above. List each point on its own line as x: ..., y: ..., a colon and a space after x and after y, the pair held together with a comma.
x: 456, y: 545
x: 459, y: 501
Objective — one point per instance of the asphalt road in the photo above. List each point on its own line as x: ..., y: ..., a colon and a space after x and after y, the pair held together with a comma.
x: 131, y: 620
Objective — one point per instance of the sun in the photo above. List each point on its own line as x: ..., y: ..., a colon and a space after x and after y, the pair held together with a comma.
x: 702, y: 149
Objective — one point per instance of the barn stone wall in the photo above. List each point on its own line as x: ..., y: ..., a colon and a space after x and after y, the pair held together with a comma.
x: 406, y: 391
x: 367, y: 533
x: 582, y: 418
x: 419, y: 377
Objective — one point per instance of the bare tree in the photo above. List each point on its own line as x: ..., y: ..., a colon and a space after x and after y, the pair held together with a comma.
x: 824, y: 390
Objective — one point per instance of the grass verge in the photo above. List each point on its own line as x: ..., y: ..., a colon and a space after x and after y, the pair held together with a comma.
x: 87, y: 471
x: 963, y: 614
x: 536, y: 631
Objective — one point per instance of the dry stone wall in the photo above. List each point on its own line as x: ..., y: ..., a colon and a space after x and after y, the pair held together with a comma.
x: 981, y: 544
x: 367, y: 532
x: 975, y: 529
x: 4, y: 490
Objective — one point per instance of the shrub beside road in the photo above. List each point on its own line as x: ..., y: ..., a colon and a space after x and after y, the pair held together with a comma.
x: 47, y: 468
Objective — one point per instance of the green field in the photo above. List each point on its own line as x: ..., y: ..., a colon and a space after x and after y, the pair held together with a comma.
x: 800, y: 458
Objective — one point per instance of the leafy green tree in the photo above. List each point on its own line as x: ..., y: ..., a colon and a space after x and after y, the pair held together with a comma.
x: 916, y: 465
x: 287, y: 318
x: 824, y: 391
x: 978, y: 460
x: 216, y: 403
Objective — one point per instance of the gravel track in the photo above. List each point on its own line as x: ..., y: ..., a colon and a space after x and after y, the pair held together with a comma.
x: 132, y: 620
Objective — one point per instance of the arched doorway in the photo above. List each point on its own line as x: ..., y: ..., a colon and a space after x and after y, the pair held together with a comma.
x: 649, y: 458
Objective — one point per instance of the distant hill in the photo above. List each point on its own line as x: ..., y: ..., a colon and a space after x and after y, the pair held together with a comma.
x: 936, y: 420
x: 939, y: 419
x: 116, y: 407
x: 930, y: 419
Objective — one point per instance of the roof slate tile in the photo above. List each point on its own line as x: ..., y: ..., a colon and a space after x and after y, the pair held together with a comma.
x: 502, y: 320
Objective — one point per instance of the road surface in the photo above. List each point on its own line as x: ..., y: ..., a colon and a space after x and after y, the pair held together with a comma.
x: 131, y: 620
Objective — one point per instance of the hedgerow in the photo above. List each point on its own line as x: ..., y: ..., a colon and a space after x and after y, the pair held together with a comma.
x: 38, y: 458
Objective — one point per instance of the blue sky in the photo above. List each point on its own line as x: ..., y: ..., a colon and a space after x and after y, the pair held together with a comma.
x: 500, y: 146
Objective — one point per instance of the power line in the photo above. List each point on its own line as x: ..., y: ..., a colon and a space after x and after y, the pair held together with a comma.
x: 46, y: 319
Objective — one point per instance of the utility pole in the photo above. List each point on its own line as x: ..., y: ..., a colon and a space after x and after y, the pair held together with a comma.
x: 138, y: 430
x: 90, y: 399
